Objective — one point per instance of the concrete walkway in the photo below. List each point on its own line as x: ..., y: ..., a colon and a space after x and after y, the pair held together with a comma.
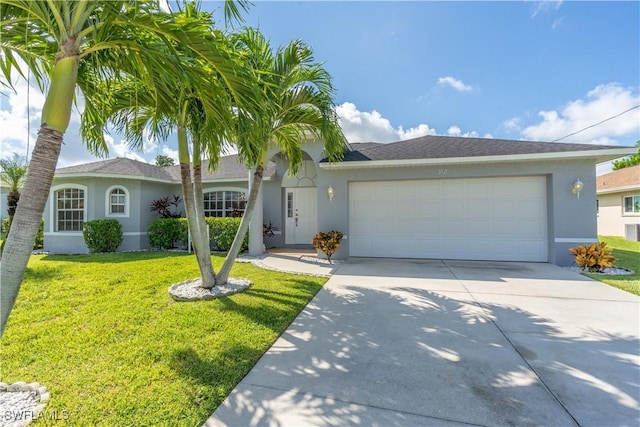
x: 296, y: 261
x: 427, y: 342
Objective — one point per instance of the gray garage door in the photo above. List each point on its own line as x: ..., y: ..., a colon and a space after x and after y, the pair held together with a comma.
x: 502, y: 219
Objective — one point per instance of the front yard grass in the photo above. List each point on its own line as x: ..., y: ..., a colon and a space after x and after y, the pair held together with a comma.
x: 103, y: 335
x: 628, y: 256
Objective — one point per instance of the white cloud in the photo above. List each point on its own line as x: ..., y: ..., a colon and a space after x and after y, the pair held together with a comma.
x: 456, y: 131
x: 171, y: 153
x: 543, y: 6
x: 416, y: 132
x: 20, y: 115
x: 601, y: 103
x: 512, y: 124
x: 557, y: 22
x: 363, y: 126
x: 454, y: 83
x: 121, y: 149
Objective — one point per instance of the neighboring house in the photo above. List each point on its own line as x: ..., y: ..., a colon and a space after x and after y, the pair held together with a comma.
x: 429, y: 197
x: 4, y: 192
x: 619, y: 203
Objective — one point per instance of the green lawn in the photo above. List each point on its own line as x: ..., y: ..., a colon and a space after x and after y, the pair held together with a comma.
x: 628, y: 256
x: 102, y: 333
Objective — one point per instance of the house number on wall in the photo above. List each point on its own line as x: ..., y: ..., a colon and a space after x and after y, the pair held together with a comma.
x: 442, y: 171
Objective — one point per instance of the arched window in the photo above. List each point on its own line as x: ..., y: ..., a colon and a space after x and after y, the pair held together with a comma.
x: 70, y: 209
x: 224, y: 203
x: 117, y: 203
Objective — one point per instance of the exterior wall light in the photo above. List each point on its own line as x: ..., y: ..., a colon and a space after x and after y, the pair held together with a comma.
x: 577, y: 187
x: 330, y: 193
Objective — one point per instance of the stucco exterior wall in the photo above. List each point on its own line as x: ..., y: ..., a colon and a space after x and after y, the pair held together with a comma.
x: 134, y: 224
x: 571, y: 220
x: 611, y: 217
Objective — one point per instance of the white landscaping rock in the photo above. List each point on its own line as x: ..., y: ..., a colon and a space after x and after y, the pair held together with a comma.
x: 191, y: 290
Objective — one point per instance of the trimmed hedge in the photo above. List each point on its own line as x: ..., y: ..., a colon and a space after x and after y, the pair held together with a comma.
x: 102, y: 235
x: 167, y: 233
x: 222, y: 231
x: 39, y: 242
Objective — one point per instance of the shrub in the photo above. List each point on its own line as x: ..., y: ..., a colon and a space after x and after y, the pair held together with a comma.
x: 595, y: 257
x: 327, y: 242
x: 39, y: 242
x: 164, y: 205
x: 222, y: 231
x: 102, y: 235
x: 164, y: 233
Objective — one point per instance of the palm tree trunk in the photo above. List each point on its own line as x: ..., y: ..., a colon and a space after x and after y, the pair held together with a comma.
x: 204, y: 247
x: 203, y: 259
x: 223, y: 275
x: 56, y: 113
x: 26, y: 222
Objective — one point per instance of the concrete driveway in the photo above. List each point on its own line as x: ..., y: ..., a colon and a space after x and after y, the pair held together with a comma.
x: 439, y: 343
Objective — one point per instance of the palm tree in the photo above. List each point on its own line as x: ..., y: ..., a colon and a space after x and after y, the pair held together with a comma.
x: 196, y: 105
x: 296, y: 104
x: 71, y: 43
x: 12, y: 173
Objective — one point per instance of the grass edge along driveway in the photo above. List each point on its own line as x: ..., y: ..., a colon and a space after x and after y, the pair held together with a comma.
x: 103, y: 335
x: 628, y: 256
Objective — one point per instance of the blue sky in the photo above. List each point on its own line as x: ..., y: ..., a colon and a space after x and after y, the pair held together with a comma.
x: 515, y: 70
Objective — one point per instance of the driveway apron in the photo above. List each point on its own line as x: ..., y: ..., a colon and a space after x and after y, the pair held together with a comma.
x: 437, y: 343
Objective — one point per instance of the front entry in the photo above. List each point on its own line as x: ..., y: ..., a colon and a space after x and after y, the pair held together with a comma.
x: 301, y: 215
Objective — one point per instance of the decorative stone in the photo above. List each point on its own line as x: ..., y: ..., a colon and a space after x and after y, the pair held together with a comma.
x: 191, y: 290
x: 21, y: 397
x: 18, y: 386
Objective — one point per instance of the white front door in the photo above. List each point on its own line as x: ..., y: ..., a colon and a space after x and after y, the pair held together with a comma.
x: 301, y: 215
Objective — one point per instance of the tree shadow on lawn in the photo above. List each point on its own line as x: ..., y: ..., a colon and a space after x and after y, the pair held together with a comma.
x: 404, y: 355
x: 115, y: 257
x: 267, y: 314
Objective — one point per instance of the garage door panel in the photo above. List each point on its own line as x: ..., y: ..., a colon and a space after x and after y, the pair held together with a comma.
x: 452, y: 208
x: 482, y: 218
x: 431, y: 192
x: 427, y: 209
x: 476, y: 227
x: 531, y: 208
x: 451, y: 190
x: 531, y: 228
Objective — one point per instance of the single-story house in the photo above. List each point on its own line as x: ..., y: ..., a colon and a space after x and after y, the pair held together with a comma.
x: 4, y: 192
x: 428, y: 197
x: 619, y: 203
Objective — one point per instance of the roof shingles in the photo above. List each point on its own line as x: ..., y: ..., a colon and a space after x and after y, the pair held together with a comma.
x: 229, y: 167
x: 439, y: 147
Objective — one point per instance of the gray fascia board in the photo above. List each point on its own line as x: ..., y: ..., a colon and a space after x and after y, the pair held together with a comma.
x: 145, y: 178
x: 599, y: 156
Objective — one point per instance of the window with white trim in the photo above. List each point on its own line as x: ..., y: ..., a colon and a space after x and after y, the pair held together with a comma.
x: 631, y: 204
x: 117, y: 203
x: 69, y: 209
x: 117, y: 199
x: 224, y: 203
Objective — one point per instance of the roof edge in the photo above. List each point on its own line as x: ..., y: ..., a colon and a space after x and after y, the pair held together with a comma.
x: 621, y: 189
x: 599, y: 155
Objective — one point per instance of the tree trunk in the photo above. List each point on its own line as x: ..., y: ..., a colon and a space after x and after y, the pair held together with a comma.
x: 223, y: 275
x: 26, y: 222
x: 204, y: 247
x: 203, y: 256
